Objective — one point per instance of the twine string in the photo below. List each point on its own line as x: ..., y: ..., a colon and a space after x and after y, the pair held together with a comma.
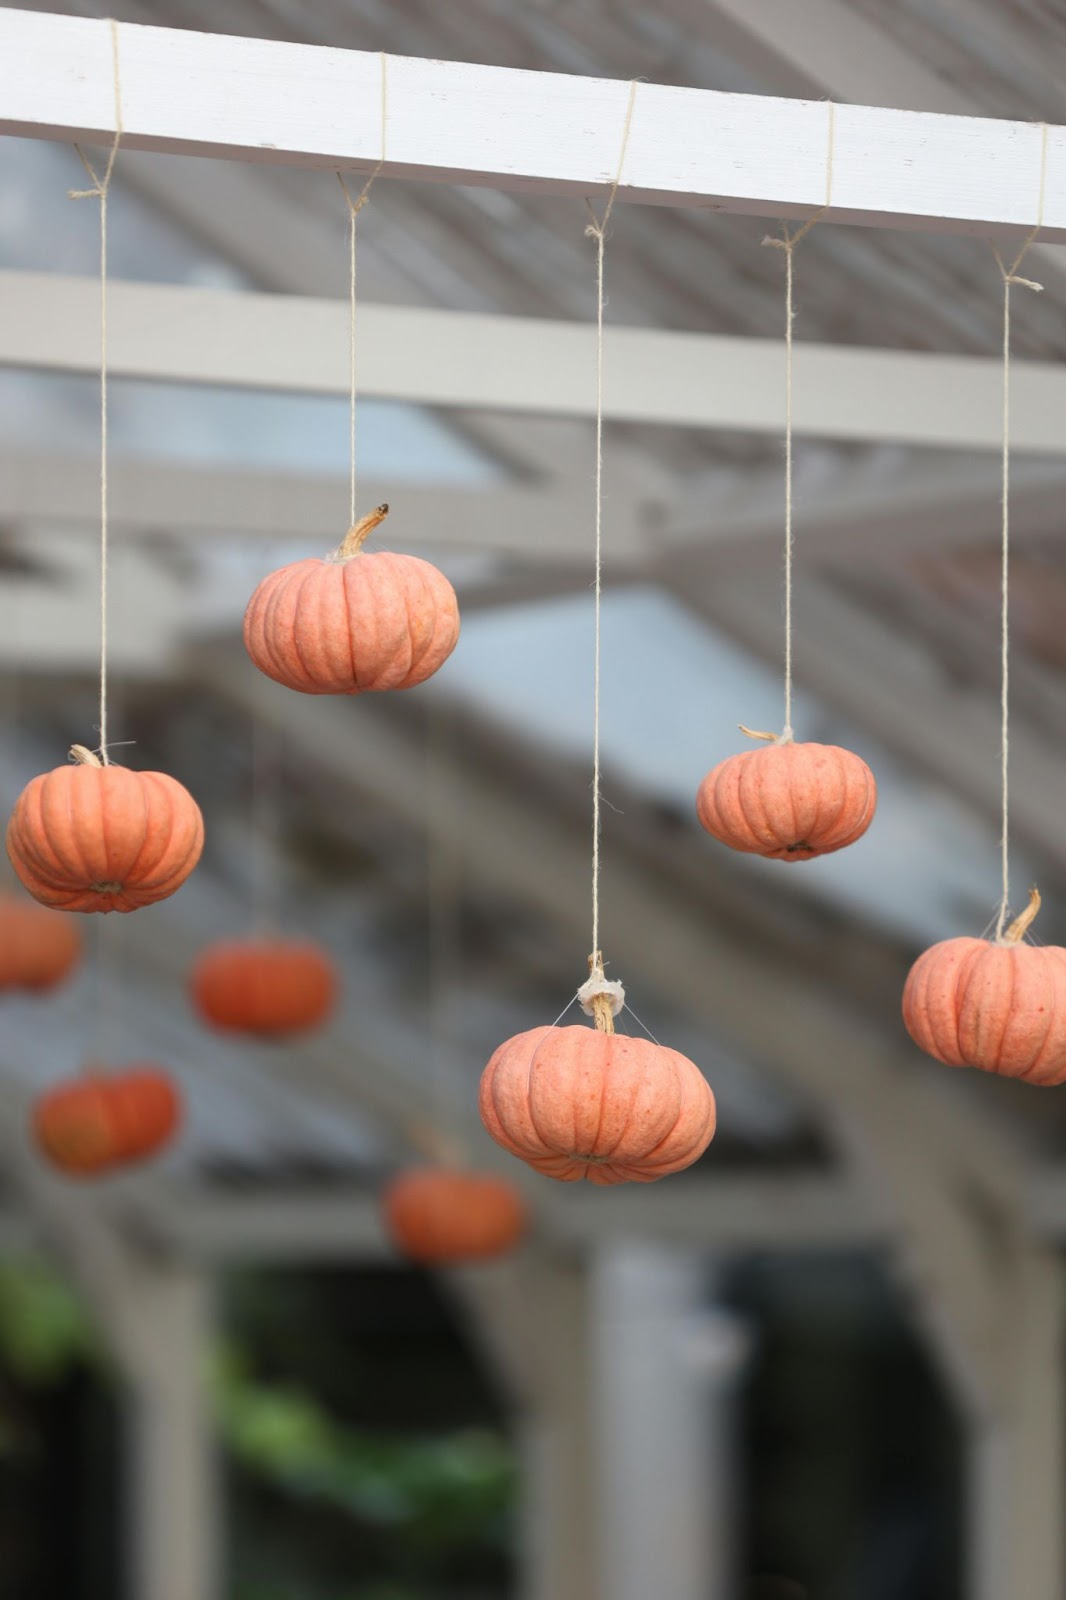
x: 788, y: 241
x: 354, y: 208
x: 101, y: 185
x: 267, y: 852
x: 597, y: 229
x: 444, y: 902
x: 1009, y: 274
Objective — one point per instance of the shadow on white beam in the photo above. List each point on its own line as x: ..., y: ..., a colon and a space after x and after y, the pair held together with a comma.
x: 548, y: 133
x: 526, y: 365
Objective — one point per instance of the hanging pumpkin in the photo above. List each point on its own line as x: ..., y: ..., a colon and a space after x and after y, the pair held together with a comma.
x: 264, y: 986
x: 90, y: 837
x: 996, y: 1004
x: 441, y: 1214
x: 106, y: 1120
x: 38, y: 948
x: 786, y: 800
x: 581, y: 1102
x: 353, y: 622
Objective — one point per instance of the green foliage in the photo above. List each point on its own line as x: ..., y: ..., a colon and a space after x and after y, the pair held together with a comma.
x: 43, y: 1330
x: 441, y: 1491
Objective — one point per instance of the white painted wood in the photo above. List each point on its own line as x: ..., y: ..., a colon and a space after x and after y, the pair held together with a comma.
x: 1015, y: 1542
x: 527, y: 365
x: 667, y: 1506
x: 869, y: 514
x: 174, y: 1521
x: 829, y: 47
x: 266, y: 101
x: 537, y: 523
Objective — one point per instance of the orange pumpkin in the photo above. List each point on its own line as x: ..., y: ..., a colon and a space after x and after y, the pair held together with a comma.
x: 38, y: 948
x: 264, y: 986
x: 105, y: 1121
x: 582, y: 1102
x: 441, y: 1214
x: 353, y: 622
x: 995, y: 1004
x: 94, y: 838
x: 789, y: 801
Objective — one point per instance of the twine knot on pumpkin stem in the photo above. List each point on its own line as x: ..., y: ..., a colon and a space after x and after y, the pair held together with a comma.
x: 601, y: 998
x: 360, y: 532
x: 83, y: 757
x: 1021, y: 924
x: 771, y: 738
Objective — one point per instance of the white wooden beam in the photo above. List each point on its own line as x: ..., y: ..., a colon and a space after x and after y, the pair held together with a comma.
x: 869, y: 514
x: 829, y: 47
x: 1015, y: 1542
x: 292, y: 104
x: 533, y: 522
x: 525, y: 365
x: 172, y: 1470
x: 667, y: 1512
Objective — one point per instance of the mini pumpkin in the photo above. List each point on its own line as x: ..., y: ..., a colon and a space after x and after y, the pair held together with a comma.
x: 38, y: 948
x: 996, y: 1004
x: 264, y: 986
x: 788, y: 801
x: 106, y: 1120
x: 354, y: 622
x: 91, y: 837
x: 580, y: 1102
x: 436, y: 1215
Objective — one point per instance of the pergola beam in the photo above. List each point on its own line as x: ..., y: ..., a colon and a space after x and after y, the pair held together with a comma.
x: 451, y: 122
x: 525, y: 365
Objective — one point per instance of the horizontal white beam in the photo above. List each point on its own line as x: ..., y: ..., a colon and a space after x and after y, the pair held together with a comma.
x: 871, y: 513
x: 549, y: 133
x: 160, y: 497
x: 763, y: 1211
x: 525, y: 364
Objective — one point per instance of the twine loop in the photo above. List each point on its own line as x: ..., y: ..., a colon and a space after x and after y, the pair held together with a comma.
x: 597, y: 229
x: 101, y: 186
x: 1010, y: 277
x: 787, y: 241
x: 354, y: 208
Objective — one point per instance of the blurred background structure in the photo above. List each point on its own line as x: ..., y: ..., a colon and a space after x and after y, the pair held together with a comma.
x: 825, y: 1364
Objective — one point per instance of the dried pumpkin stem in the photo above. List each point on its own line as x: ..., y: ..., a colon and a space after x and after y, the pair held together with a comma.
x: 83, y: 757
x: 1021, y: 925
x: 603, y: 1012
x: 602, y: 1004
x: 357, y: 536
x: 770, y: 738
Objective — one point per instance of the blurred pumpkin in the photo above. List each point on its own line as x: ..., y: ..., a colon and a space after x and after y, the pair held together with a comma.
x: 995, y: 1004
x: 788, y: 801
x: 90, y: 837
x: 264, y: 986
x: 581, y: 1102
x: 353, y: 622
x: 38, y: 948
x: 436, y: 1215
x: 106, y: 1120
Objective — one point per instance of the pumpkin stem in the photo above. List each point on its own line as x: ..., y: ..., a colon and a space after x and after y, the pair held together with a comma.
x: 1021, y: 925
x: 357, y: 536
x: 770, y: 738
x: 83, y: 757
x: 598, y: 995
